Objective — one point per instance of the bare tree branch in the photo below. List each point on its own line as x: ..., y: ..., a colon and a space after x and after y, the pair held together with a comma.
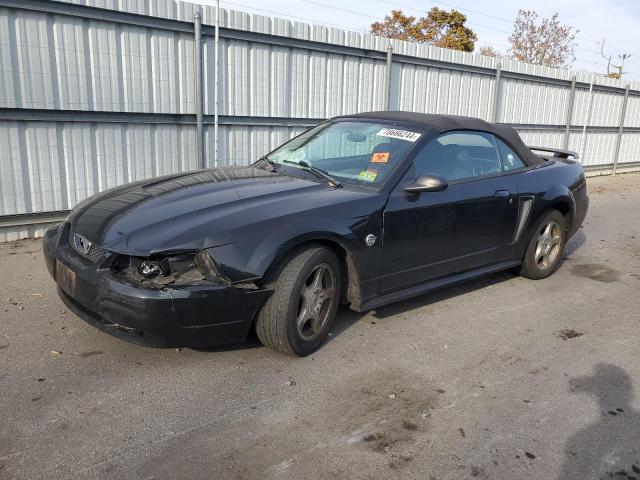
x: 547, y: 43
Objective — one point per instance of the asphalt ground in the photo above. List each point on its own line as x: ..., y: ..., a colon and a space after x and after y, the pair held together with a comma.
x: 502, y: 378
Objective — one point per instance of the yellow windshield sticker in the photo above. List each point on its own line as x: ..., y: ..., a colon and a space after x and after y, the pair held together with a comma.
x: 368, y: 175
x: 380, y: 157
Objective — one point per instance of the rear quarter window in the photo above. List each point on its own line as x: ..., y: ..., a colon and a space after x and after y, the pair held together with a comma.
x: 510, y: 159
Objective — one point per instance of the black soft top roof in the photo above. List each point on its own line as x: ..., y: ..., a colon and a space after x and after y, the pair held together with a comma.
x: 447, y: 123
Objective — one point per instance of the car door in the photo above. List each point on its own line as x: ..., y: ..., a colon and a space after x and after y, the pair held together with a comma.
x: 434, y: 234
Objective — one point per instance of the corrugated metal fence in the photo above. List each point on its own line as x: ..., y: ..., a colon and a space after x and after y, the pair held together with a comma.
x: 97, y: 93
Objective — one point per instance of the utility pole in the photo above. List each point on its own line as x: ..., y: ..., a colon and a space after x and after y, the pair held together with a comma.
x: 608, y: 59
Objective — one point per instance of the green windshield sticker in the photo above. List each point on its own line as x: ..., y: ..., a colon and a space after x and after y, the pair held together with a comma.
x: 368, y: 175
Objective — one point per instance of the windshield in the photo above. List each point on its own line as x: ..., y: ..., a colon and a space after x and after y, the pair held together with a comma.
x: 364, y: 153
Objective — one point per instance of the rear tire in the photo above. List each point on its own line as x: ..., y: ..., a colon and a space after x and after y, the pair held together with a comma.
x: 306, y: 294
x: 544, y: 252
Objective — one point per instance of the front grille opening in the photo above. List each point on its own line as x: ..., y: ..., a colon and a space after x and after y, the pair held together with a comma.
x: 95, y: 252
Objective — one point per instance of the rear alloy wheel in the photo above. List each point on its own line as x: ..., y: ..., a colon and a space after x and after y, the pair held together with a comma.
x: 544, y: 253
x: 306, y: 293
x: 548, y: 246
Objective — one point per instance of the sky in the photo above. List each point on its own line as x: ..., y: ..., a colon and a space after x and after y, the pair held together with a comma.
x: 616, y: 22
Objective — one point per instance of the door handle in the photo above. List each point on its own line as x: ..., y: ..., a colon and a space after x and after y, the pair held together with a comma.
x: 502, y: 194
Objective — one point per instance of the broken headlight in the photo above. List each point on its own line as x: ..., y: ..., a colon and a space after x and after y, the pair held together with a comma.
x: 178, y: 269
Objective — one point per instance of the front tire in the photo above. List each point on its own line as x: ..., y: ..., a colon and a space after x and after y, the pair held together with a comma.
x: 306, y: 293
x: 544, y: 253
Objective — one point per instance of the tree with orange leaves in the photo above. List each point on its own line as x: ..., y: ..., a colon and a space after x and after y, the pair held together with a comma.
x: 439, y: 28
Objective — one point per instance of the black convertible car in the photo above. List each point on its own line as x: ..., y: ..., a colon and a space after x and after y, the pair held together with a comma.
x: 362, y: 210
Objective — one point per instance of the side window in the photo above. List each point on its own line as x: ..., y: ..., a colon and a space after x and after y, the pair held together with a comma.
x: 457, y: 155
x: 510, y: 160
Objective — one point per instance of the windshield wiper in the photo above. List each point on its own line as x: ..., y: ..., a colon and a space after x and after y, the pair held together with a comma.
x: 321, y: 173
x: 271, y: 165
x: 265, y: 159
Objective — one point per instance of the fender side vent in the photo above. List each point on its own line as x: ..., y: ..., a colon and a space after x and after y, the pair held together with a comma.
x: 524, y: 210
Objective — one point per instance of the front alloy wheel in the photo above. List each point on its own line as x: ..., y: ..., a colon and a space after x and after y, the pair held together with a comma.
x: 306, y: 294
x: 316, y: 302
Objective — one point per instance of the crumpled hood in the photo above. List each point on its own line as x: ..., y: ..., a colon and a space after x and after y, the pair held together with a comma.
x: 185, y: 211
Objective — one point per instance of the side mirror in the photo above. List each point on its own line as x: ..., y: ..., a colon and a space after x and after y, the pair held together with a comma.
x: 427, y: 183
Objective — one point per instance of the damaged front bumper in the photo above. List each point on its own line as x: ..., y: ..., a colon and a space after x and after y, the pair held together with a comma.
x: 186, y: 316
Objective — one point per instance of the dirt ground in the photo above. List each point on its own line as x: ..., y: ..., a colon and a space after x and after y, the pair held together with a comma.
x: 502, y: 378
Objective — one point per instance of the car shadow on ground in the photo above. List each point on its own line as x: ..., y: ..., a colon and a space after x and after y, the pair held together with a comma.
x: 574, y: 244
x: 250, y: 343
x: 609, y: 447
x: 347, y: 318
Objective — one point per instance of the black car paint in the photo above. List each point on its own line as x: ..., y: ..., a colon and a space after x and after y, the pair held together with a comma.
x: 249, y: 218
x: 196, y: 316
x: 461, y: 228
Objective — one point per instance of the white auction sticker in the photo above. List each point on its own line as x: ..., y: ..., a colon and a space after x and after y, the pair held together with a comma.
x: 401, y: 134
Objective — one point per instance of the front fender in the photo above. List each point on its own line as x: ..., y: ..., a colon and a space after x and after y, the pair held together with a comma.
x: 252, y: 256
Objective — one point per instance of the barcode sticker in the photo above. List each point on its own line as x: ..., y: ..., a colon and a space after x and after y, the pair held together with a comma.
x: 399, y: 134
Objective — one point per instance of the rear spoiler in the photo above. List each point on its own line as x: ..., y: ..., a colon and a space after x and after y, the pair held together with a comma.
x: 557, y: 152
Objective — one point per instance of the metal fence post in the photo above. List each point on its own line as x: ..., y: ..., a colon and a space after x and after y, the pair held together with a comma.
x: 215, y: 84
x: 569, y: 115
x: 623, y: 112
x: 197, y: 38
x: 387, y: 99
x: 496, y: 97
x: 583, y: 142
